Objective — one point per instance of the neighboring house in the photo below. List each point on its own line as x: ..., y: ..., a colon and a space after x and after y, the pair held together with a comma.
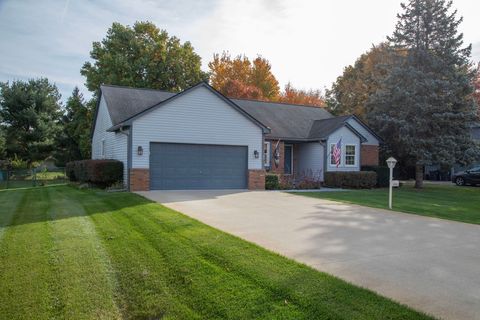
x: 48, y: 164
x: 199, y: 139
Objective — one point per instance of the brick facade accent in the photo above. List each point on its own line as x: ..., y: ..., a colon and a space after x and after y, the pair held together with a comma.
x: 369, y: 155
x: 256, y: 179
x: 139, y: 179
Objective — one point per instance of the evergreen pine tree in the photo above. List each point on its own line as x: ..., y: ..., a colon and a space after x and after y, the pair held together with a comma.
x: 425, y: 107
x: 73, y: 142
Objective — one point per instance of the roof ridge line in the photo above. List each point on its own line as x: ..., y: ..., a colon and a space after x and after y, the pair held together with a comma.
x: 277, y: 102
x: 135, y: 88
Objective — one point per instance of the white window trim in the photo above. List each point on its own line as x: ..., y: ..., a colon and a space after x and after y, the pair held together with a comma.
x: 267, y: 157
x: 334, y: 165
x: 291, y: 159
x: 354, y: 156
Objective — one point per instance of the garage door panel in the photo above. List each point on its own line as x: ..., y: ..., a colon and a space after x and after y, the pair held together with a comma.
x: 193, y: 166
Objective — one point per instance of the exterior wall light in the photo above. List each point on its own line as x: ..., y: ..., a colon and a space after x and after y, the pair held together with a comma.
x: 256, y: 154
x: 140, y: 150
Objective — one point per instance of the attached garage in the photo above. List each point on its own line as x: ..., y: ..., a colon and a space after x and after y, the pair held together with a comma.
x: 181, y: 166
x: 195, y: 140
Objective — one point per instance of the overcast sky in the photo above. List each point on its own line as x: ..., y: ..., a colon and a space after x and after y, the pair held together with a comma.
x: 307, y: 42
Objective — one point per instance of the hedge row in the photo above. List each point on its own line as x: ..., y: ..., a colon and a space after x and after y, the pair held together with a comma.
x: 98, y: 172
x: 353, y: 179
x: 383, y: 175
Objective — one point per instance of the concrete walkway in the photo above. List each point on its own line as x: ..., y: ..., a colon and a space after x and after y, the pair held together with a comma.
x: 429, y: 264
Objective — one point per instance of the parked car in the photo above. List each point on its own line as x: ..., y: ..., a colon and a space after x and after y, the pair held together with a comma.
x: 470, y: 176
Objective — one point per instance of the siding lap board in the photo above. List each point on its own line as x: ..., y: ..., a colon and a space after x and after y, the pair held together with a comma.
x: 348, y: 137
x: 197, y: 117
x: 115, y: 143
x: 371, y: 140
x: 310, y: 159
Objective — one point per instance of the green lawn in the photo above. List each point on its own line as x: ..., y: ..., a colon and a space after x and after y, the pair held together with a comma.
x: 67, y: 253
x: 440, y: 201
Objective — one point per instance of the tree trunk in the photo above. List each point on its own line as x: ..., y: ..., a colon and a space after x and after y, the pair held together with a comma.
x: 418, y: 176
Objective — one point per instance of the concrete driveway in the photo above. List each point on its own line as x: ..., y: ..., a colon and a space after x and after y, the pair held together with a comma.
x: 429, y: 264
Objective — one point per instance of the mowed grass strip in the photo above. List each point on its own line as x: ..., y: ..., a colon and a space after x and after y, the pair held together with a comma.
x: 51, y: 265
x: 28, y: 285
x: 85, y: 276
x: 162, y: 264
x: 439, y: 201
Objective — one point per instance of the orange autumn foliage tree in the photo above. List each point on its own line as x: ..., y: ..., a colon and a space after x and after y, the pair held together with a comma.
x: 306, y: 97
x: 240, y: 78
x: 244, y: 79
x: 240, y: 90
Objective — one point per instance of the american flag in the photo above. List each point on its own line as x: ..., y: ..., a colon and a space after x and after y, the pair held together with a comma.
x: 337, y: 152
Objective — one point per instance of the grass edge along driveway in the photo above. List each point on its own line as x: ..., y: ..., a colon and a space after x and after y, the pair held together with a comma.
x: 439, y: 201
x: 87, y: 254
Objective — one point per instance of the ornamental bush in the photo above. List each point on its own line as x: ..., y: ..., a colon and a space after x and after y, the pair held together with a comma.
x: 102, y: 173
x: 351, y: 179
x: 272, y: 182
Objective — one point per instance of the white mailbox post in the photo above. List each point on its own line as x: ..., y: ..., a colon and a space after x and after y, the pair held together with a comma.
x: 391, y: 162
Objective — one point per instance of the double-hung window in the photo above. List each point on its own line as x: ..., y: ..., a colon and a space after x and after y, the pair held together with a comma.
x: 350, y: 154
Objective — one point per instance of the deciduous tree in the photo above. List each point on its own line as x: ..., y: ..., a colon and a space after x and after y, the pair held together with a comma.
x: 239, y: 78
x: 424, y: 108
x: 30, y: 112
x: 142, y: 56
x: 304, y: 97
x: 350, y: 92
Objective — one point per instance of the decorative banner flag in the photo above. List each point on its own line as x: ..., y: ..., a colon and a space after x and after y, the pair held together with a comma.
x: 337, y: 152
x: 276, y: 154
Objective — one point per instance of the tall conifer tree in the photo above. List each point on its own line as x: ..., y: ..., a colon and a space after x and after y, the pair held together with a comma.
x: 425, y: 106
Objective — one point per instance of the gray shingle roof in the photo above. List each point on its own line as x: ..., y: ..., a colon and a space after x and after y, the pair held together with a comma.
x: 285, y: 120
x: 124, y: 102
x: 323, y: 128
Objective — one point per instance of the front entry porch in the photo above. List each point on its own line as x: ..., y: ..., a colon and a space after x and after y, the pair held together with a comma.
x: 295, y: 161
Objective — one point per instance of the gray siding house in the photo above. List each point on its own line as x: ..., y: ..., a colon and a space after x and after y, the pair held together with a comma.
x: 200, y: 139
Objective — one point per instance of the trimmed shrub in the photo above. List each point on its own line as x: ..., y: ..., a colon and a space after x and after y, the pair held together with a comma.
x: 307, y: 183
x: 351, y: 179
x: 70, y: 171
x: 102, y: 173
x: 383, y: 174
x: 272, y: 182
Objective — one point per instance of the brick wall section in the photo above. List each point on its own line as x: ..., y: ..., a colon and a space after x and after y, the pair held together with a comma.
x: 256, y: 179
x: 139, y: 179
x: 369, y: 155
x: 274, y: 168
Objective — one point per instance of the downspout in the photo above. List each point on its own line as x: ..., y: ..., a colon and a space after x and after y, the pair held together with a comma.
x: 129, y: 153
